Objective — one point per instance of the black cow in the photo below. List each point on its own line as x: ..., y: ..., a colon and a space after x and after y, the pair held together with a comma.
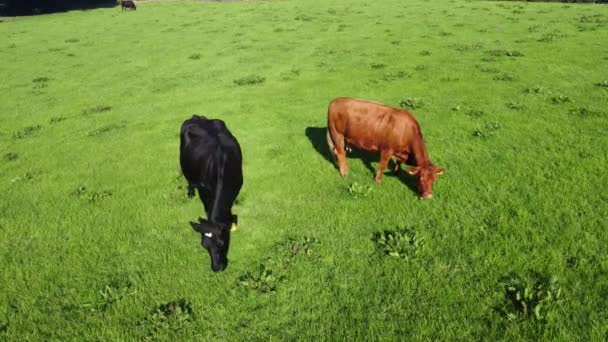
x: 211, y: 161
x: 128, y: 4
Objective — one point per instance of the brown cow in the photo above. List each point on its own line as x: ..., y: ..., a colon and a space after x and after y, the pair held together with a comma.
x: 374, y: 127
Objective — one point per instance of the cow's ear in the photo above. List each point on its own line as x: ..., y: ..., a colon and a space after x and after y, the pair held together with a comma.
x: 207, y: 227
x: 412, y: 170
x: 200, y: 226
x: 195, y: 226
x: 439, y: 170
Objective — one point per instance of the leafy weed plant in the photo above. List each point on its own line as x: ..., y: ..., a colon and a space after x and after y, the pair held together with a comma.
x: 401, y: 243
x: 488, y: 130
x: 250, y: 80
x: 10, y: 156
x: 26, y: 131
x: 411, y: 103
x: 262, y: 280
x: 559, y: 99
x: 97, y: 109
x: 532, y: 297
x: 356, y: 190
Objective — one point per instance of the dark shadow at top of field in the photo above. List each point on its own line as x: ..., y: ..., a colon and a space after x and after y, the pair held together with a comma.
x: 318, y: 139
x: 35, y: 7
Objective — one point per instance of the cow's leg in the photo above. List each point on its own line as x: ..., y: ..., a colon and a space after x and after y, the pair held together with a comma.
x: 191, y: 188
x: 207, y: 198
x: 397, y: 165
x: 385, y: 155
x: 340, y: 151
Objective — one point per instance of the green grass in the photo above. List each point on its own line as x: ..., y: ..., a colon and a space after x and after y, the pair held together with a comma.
x: 94, y: 236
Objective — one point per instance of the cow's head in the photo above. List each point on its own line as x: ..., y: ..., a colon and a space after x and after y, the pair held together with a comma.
x: 215, y: 239
x: 426, y: 176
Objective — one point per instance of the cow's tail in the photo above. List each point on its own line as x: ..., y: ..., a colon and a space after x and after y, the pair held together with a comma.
x: 330, y: 143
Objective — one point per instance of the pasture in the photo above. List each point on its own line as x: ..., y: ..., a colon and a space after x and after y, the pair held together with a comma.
x: 512, y: 99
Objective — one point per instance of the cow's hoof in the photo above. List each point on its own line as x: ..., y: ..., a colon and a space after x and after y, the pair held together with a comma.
x: 378, y: 180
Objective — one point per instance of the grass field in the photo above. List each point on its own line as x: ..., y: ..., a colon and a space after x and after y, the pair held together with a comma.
x: 512, y: 99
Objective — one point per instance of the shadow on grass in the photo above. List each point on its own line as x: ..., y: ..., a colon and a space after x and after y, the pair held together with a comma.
x: 318, y: 139
x: 33, y: 7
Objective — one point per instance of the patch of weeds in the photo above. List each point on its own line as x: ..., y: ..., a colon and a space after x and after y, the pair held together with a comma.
x: 300, y: 246
x: 425, y: 53
x: 113, y: 293
x: 56, y: 119
x: 586, y: 112
x: 10, y: 156
x: 104, y: 129
x: 91, y: 196
x: 26, y: 131
x: 41, y: 80
x: 488, y: 69
x: 175, y: 317
x: 445, y: 33
x: 535, y: 90
x: 24, y: 177
x: 97, y: 109
x: 356, y: 190
x: 378, y: 65
x: 303, y: 17
x: 261, y: 280
x: 596, y: 18
x: 289, y: 75
x: 449, y: 79
x: 488, y: 59
x: 250, y: 80
x: 505, y: 53
x: 490, y: 129
x: 533, y: 297
x: 274, y: 152
x: 467, y: 47
x: 476, y: 113
x: 72, y: 40
x: 395, y: 42
x: 71, y: 55
x: 420, y: 67
x: 514, y: 105
x: 603, y: 84
x: 455, y: 108
x: 195, y: 56
x: 401, y: 243
x: 411, y: 103
x: 559, y: 99
x: 551, y: 36
x: 504, y: 76
x: 395, y: 75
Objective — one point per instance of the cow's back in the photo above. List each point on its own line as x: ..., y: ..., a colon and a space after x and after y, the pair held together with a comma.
x: 208, y: 152
x: 370, y: 125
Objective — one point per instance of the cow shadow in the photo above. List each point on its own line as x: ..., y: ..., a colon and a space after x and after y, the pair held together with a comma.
x: 34, y: 7
x: 318, y: 140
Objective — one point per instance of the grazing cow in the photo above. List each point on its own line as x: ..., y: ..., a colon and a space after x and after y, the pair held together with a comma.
x: 376, y: 127
x: 128, y: 4
x: 211, y: 161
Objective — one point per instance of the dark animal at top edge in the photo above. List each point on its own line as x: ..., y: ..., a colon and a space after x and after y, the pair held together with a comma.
x: 211, y: 161
x: 374, y: 127
x: 128, y: 4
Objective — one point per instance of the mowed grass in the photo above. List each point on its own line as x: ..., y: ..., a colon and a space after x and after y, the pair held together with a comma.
x: 512, y: 100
